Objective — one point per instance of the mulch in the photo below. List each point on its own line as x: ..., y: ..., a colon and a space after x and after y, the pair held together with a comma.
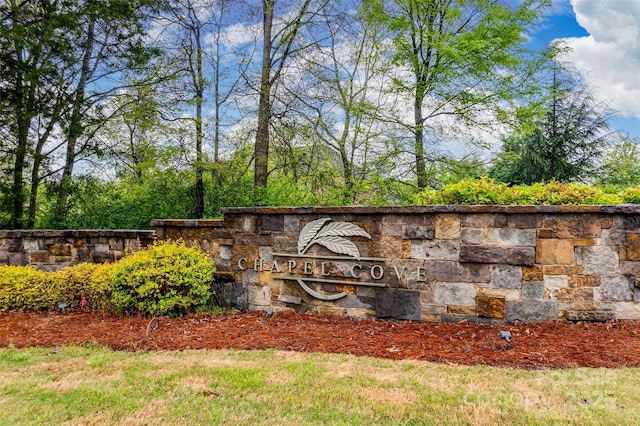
x: 534, y: 345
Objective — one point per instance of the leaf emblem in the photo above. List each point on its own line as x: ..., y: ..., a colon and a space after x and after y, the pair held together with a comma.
x: 331, y: 236
x: 309, y: 232
x: 343, y: 229
x: 339, y: 245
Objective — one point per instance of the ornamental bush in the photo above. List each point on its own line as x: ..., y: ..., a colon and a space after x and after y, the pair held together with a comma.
x: 487, y: 191
x: 168, y: 278
x: 25, y: 288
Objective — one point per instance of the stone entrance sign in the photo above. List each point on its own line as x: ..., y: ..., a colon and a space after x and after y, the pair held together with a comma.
x: 440, y: 263
x: 437, y: 263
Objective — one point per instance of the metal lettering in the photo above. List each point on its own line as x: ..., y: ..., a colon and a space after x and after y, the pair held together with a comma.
x: 308, y: 268
x: 421, y: 274
x: 292, y: 265
x: 275, y: 267
x: 353, y: 271
x: 258, y: 264
x: 377, y: 272
x: 240, y: 263
x: 400, y: 273
x: 324, y: 271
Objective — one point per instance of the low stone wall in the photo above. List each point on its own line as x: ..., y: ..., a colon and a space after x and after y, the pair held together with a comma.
x: 52, y: 250
x: 438, y: 264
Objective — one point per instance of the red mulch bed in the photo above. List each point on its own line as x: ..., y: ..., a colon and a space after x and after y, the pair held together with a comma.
x: 535, y: 345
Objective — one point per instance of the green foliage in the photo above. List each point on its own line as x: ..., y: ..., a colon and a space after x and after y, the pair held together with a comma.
x: 631, y: 195
x: 621, y: 166
x: 29, y: 289
x: 168, y: 278
x: 487, y: 191
x: 25, y: 288
x: 564, y: 145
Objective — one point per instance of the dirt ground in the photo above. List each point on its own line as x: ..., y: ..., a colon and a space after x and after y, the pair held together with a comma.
x: 535, y: 346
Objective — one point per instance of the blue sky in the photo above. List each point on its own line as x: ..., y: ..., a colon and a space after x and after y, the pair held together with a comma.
x: 604, y: 37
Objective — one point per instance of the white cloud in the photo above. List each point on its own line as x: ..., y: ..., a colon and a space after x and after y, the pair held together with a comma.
x: 609, y: 57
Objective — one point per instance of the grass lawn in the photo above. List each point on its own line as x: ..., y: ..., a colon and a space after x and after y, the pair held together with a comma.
x: 97, y: 386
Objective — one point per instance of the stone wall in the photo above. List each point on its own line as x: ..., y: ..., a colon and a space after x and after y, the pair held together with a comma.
x: 52, y: 250
x: 438, y: 264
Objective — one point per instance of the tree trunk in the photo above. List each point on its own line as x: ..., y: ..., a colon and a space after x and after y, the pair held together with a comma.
x: 421, y: 169
x: 199, y: 187
x: 75, y: 129
x: 261, y: 150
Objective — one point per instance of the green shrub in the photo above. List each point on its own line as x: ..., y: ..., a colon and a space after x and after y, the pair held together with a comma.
x: 168, y: 278
x: 25, y: 288
x: 486, y: 191
x: 631, y: 195
x: 88, y: 281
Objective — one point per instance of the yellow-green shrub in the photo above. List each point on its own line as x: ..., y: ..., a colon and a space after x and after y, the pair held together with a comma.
x: 631, y: 195
x: 486, y: 191
x: 25, y: 288
x: 168, y: 278
x: 86, y: 280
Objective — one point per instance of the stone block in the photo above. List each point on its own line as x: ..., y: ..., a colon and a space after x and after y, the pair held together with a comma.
x: 586, y: 281
x: 577, y: 227
x: 584, y: 242
x: 436, y: 249
x: 532, y: 273
x: 447, y: 227
x: 583, y: 299
x: 462, y: 310
x: 491, y: 307
x: 511, y: 237
x: 484, y: 220
x: 417, y: 232
x: 357, y: 302
x: 31, y: 245
x: 613, y: 237
x: 40, y: 256
x: 291, y: 225
x: 462, y: 294
x: 386, y: 246
x: 633, y: 247
x: 532, y: 310
x: 599, y: 260
x: 532, y: 290
x: 225, y: 252
x: 554, y: 251
x: 101, y: 248
x: 506, y: 277
x: 268, y: 224
x: 18, y: 259
x: 331, y: 311
x: 259, y: 295
x: 524, y: 221
x: 292, y: 300
x: 116, y: 244
x: 398, y: 304
x: 60, y: 249
x: 472, y: 236
x: 545, y: 233
x: 590, y: 316
x: 493, y: 254
x: 555, y: 282
x: 617, y: 288
x: 561, y: 269
x: 450, y: 271
x: 232, y: 295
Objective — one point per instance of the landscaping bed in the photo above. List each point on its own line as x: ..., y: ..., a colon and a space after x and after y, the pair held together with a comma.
x: 534, y: 345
